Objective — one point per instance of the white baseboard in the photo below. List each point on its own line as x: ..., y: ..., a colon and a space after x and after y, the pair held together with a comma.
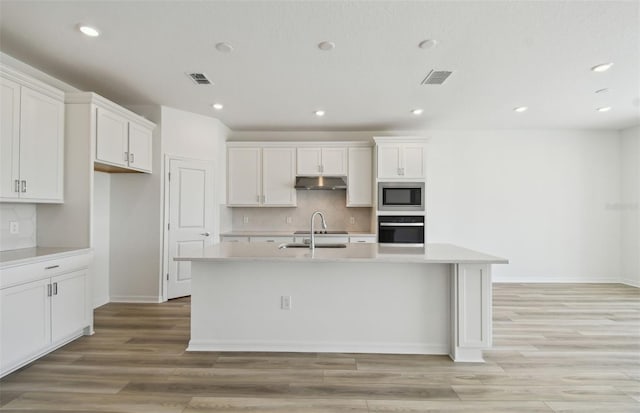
x: 313, y: 347
x: 554, y: 279
x: 135, y: 299
x: 99, y: 302
x: 629, y: 281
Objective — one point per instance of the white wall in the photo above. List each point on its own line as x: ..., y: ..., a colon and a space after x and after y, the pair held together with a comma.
x: 542, y: 199
x: 189, y: 135
x: 629, y: 207
x: 101, y: 238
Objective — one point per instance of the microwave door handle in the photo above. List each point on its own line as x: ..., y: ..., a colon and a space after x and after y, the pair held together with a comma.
x: 406, y: 224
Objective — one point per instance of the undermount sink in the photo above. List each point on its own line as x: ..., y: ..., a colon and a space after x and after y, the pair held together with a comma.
x: 297, y: 245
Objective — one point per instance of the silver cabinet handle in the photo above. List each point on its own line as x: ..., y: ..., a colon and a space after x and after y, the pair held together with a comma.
x: 126, y: 156
x: 24, y: 186
x: 400, y: 224
x: 48, y: 290
x: 51, y: 267
x: 16, y: 185
x: 206, y: 234
x: 270, y: 240
x: 55, y: 288
x: 131, y: 157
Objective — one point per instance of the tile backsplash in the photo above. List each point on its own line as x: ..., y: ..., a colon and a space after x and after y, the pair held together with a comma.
x: 331, y: 203
x: 25, y: 216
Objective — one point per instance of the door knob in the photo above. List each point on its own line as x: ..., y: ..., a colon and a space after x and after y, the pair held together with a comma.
x: 206, y: 234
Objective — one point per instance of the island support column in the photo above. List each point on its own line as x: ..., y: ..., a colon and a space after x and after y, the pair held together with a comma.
x: 471, y: 312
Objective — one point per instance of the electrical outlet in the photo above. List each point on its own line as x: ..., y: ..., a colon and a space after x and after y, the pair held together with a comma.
x: 285, y: 302
x: 245, y: 219
x: 352, y: 220
x: 289, y: 220
x: 14, y: 227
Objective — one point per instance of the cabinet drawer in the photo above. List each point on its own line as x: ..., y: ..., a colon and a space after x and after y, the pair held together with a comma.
x: 227, y: 238
x: 369, y: 239
x: 323, y: 239
x: 21, y: 274
x: 280, y: 239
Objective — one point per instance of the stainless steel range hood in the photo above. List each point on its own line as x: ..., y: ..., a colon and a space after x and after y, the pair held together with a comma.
x: 320, y: 182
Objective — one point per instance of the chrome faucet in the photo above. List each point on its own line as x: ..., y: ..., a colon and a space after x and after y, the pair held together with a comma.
x: 313, y: 235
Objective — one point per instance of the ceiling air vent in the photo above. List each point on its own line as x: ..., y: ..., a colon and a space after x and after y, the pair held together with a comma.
x: 199, y: 78
x: 436, y: 77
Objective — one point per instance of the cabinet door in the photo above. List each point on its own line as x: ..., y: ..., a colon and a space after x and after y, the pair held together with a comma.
x: 243, y: 177
x: 111, y: 138
x: 413, y: 165
x: 25, y: 326
x: 334, y: 161
x: 41, y: 146
x: 360, y: 177
x: 278, y: 176
x: 140, y: 147
x: 9, y: 138
x: 68, y: 305
x: 389, y: 161
x: 309, y: 161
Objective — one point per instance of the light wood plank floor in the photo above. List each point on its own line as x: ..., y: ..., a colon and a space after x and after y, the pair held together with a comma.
x: 557, y: 348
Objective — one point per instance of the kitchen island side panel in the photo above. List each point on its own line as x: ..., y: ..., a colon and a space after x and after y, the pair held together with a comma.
x: 335, y: 307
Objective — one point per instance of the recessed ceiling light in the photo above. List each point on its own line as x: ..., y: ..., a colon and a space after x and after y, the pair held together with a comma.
x: 326, y: 45
x: 602, y: 67
x: 319, y: 112
x: 520, y: 109
x: 417, y: 111
x: 605, y: 90
x: 428, y: 44
x: 88, y: 30
x: 224, y: 47
x: 217, y: 106
x: 604, y: 109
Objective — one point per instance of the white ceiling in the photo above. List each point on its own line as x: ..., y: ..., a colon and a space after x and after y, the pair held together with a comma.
x: 503, y: 54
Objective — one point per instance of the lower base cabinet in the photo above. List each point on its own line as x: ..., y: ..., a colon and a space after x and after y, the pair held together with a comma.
x: 44, y: 312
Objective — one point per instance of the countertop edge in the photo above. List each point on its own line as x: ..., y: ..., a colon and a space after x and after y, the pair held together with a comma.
x: 44, y: 257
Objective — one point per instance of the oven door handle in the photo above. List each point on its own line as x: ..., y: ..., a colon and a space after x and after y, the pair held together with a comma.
x: 406, y: 224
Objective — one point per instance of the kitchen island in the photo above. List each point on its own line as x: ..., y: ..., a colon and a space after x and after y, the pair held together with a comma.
x: 365, y: 298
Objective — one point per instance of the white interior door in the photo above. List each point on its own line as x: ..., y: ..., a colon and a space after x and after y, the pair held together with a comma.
x: 191, y: 218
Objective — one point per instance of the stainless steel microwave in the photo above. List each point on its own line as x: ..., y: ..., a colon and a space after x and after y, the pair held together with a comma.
x: 401, y: 196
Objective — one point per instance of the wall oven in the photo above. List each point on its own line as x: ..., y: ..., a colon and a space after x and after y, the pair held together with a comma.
x: 400, y: 196
x: 401, y: 230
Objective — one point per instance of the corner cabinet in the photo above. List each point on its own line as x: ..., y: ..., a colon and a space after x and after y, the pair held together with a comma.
x: 44, y: 305
x: 399, y: 159
x: 31, y: 139
x: 258, y: 176
x: 123, y: 139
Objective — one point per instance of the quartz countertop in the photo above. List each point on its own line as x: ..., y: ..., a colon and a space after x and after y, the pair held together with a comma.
x: 430, y: 254
x: 29, y: 255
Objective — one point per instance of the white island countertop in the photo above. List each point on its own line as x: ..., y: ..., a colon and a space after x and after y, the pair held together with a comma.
x: 431, y: 254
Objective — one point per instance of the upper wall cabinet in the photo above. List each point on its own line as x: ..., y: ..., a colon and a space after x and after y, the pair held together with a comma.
x: 123, y: 140
x: 400, y: 160
x: 31, y: 139
x: 360, y: 177
x: 322, y: 161
x: 259, y: 176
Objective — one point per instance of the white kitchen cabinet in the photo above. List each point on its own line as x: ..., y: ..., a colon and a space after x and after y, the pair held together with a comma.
x: 234, y: 238
x: 322, y: 239
x: 260, y: 176
x: 401, y: 160
x: 31, y: 140
x: 362, y: 239
x: 122, y: 142
x: 44, y: 305
x: 273, y: 239
x: 360, y: 177
x: 329, y: 161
